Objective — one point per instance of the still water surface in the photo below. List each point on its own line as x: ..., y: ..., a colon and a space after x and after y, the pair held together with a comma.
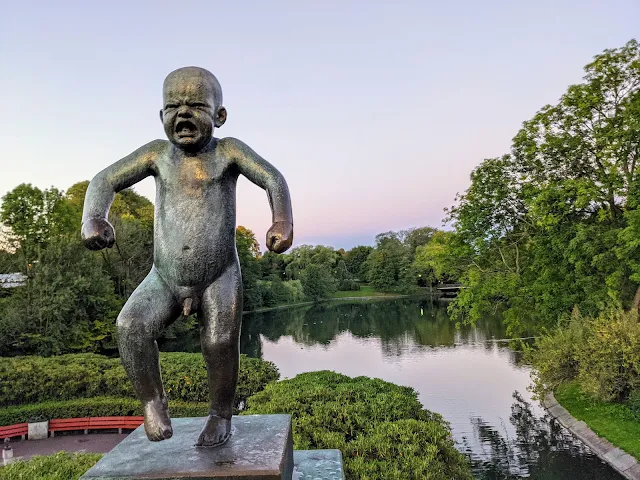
x: 469, y: 375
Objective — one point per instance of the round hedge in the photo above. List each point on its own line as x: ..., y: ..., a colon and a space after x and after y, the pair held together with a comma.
x: 381, y: 428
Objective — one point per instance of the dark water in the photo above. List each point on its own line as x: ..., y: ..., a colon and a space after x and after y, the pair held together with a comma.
x: 469, y: 376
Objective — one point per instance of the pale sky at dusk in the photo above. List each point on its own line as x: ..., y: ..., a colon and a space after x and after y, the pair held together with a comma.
x: 375, y: 112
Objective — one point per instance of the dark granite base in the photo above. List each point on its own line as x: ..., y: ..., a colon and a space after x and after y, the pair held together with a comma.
x: 260, y: 448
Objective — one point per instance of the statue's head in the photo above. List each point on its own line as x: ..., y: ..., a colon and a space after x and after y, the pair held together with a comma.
x: 192, y: 107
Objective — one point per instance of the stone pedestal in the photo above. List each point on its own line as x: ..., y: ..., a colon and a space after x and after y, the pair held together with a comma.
x: 260, y: 448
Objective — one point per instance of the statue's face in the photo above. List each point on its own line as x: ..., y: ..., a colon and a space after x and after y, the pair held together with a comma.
x: 189, y: 111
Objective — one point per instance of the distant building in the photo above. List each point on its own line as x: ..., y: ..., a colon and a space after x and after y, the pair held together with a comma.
x: 12, y: 280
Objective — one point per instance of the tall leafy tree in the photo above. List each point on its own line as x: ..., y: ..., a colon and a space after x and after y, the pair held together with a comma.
x: 551, y: 225
x: 248, y: 253
x: 355, y: 260
x: 67, y: 305
x: 35, y: 216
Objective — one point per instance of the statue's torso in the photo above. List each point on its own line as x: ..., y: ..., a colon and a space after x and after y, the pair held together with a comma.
x: 195, y: 216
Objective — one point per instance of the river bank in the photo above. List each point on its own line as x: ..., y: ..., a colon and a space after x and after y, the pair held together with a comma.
x: 626, y: 464
x: 368, y: 298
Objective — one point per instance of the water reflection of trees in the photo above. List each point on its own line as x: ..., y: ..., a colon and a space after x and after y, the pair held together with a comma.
x: 541, y: 450
x: 401, y: 325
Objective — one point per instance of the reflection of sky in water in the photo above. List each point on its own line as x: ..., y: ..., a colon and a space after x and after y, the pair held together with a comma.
x: 469, y: 376
x: 460, y: 382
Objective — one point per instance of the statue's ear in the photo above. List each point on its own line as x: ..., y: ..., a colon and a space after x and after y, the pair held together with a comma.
x: 221, y: 116
x: 161, y: 115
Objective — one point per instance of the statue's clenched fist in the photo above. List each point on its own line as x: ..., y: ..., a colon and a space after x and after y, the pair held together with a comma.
x: 98, y: 233
x: 280, y: 237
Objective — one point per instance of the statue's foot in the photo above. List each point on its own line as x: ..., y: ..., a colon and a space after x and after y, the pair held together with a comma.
x: 157, y: 424
x: 215, y: 433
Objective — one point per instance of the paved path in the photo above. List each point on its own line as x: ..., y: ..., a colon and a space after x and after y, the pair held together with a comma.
x: 91, y: 443
x: 621, y: 461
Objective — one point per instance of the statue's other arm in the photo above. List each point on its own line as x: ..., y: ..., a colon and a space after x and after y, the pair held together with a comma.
x: 266, y: 176
x: 97, y: 232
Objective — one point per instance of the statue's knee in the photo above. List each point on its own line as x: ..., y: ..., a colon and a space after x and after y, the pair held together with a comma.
x: 131, y: 329
x: 222, y: 341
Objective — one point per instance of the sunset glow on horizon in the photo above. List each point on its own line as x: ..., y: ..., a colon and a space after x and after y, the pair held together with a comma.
x: 375, y: 115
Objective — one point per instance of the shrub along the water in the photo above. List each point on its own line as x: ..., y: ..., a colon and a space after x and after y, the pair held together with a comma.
x: 38, y: 379
x: 381, y: 428
x: 602, y: 354
x: 59, y: 466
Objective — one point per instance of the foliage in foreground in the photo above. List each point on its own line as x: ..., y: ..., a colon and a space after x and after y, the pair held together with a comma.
x: 602, y: 354
x: 59, y: 466
x: 38, y: 379
x: 381, y: 428
x: 618, y: 423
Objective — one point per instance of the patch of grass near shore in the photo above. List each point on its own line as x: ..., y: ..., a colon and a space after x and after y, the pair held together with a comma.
x: 614, y: 421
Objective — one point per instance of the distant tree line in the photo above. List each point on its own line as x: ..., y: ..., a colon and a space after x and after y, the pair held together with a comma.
x: 72, y: 295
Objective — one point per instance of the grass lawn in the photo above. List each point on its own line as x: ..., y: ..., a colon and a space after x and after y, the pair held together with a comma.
x: 365, y: 291
x: 613, y: 421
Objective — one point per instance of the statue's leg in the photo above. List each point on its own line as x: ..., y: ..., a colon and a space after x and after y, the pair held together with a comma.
x: 220, y: 319
x: 149, y: 309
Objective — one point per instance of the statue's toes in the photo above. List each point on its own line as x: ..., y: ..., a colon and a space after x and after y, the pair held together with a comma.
x: 158, y: 433
x: 212, y: 440
x: 167, y: 432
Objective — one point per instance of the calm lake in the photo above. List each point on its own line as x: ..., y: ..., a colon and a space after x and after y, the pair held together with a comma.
x: 470, y: 376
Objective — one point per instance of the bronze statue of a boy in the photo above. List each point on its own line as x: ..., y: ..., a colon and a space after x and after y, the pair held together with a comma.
x: 195, y: 263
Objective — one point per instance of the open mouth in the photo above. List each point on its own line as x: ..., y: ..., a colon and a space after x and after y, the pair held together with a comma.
x: 186, y: 128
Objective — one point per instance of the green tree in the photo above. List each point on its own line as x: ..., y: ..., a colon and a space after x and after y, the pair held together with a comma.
x: 344, y: 278
x: 551, y: 225
x: 317, y: 282
x: 388, y: 263
x: 272, y: 264
x: 35, y: 216
x: 355, y: 260
x: 248, y: 252
x: 437, y: 261
x: 301, y: 257
x: 67, y: 305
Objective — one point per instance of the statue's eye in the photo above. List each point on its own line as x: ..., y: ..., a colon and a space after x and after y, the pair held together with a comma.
x: 170, y: 105
x: 199, y: 105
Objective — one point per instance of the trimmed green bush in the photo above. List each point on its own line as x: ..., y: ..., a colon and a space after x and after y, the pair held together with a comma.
x: 59, y: 466
x: 381, y: 428
x: 93, y: 407
x: 27, y: 380
x: 602, y: 354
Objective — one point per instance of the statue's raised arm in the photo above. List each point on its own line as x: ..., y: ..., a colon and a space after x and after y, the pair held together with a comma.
x: 97, y: 232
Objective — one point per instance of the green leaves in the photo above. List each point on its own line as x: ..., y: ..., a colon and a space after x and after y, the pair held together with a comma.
x: 551, y: 225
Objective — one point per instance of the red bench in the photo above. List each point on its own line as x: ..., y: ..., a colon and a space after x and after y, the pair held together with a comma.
x: 20, y: 429
x: 68, y: 424
x: 101, y: 423
x: 94, y: 423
